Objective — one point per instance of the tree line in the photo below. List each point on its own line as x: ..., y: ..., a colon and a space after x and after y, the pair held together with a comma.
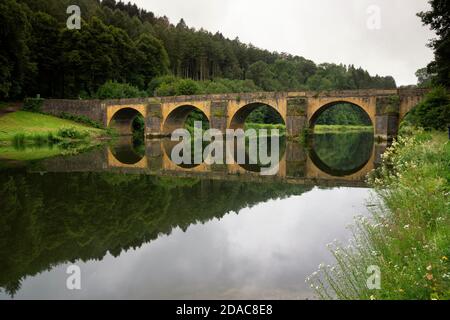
x: 434, y: 111
x: 119, y: 43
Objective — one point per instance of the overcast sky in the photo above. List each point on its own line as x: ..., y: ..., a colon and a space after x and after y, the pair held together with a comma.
x: 320, y: 30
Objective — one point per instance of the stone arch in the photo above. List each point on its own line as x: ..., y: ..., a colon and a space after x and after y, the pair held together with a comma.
x: 237, y: 120
x: 121, y: 117
x: 176, y: 117
x: 318, y: 107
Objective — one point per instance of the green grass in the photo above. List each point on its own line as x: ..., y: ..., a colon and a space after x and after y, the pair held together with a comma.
x: 45, y: 150
x: 26, y: 125
x: 408, y: 234
x: 29, y: 153
x: 268, y: 126
x: 340, y: 128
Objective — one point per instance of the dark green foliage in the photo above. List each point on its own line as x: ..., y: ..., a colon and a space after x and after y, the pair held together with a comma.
x: 115, y: 90
x: 438, y: 20
x: 344, y: 114
x: 187, y: 87
x: 424, y: 78
x: 433, y: 112
x: 15, y: 62
x: 194, y: 116
x: 264, y: 114
x: 72, y: 133
x: 121, y: 43
x: 174, y: 86
x: 341, y: 154
x: 81, y: 119
x: 100, y: 218
x: 139, y: 130
x: 32, y: 104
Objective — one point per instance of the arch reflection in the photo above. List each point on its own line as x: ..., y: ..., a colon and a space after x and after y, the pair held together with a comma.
x: 342, y: 154
x: 334, y: 157
x: 128, y: 150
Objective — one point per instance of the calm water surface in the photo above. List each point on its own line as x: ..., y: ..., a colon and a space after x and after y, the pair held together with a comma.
x: 141, y: 228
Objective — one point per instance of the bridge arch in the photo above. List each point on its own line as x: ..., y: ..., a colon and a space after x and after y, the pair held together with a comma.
x: 237, y: 120
x: 121, y: 117
x: 177, y: 117
x: 317, y: 110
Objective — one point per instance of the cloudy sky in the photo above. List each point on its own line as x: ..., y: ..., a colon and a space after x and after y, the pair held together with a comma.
x: 321, y: 30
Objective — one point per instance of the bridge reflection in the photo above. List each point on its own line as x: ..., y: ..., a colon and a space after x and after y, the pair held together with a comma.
x: 343, y: 160
x: 337, y: 159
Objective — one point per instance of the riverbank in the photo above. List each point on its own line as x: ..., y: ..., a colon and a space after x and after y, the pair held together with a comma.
x: 317, y: 129
x: 28, y: 136
x: 407, y: 236
x: 29, y: 127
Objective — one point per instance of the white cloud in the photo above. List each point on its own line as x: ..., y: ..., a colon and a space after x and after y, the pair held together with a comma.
x: 321, y: 30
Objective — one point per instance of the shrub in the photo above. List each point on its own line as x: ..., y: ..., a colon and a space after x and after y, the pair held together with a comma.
x: 187, y: 87
x: 165, y: 90
x: 433, y: 112
x: 163, y: 81
x: 116, y: 90
x: 33, y: 104
x: 72, y: 133
x: 19, y: 140
x: 173, y: 86
x: 39, y: 138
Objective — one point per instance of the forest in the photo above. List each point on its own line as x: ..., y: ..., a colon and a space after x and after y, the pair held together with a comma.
x: 124, y: 51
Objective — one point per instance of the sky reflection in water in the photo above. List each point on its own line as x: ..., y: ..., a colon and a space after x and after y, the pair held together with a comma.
x: 262, y: 252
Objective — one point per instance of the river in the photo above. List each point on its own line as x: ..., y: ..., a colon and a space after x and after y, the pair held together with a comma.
x: 140, y: 227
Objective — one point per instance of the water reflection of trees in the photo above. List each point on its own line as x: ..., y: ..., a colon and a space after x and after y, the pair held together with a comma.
x: 56, y: 218
x: 342, y: 154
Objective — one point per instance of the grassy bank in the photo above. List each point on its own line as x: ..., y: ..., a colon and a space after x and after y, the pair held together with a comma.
x: 34, y: 127
x: 407, y: 235
x: 341, y: 128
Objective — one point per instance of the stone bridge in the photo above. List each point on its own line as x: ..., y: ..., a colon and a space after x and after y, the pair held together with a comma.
x: 299, y: 110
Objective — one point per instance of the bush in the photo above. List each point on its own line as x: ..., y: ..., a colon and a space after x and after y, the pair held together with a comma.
x: 72, y: 133
x: 81, y: 119
x: 173, y: 86
x: 19, y: 140
x: 163, y: 81
x: 170, y: 86
x: 116, y: 90
x: 433, y: 112
x: 187, y: 87
x: 33, y: 104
